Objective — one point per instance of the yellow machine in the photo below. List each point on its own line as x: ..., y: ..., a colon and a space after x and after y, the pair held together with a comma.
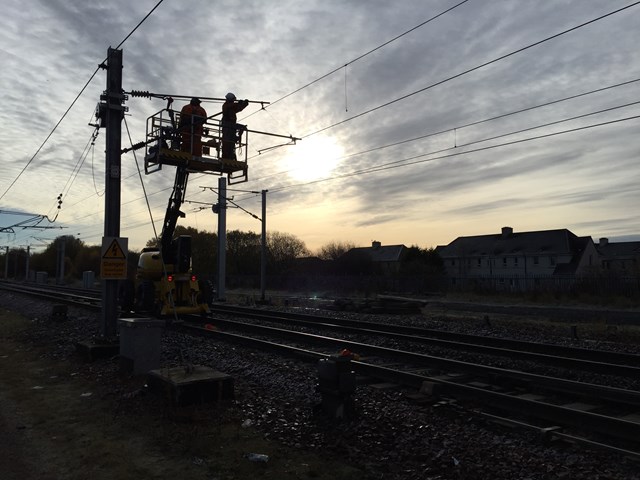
x: 165, y: 284
x: 164, y: 289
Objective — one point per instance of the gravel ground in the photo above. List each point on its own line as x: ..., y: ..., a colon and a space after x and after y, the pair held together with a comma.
x: 390, y: 438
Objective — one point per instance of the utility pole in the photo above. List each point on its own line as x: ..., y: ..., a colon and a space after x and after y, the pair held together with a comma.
x: 26, y: 267
x: 222, y: 237
x: 60, y: 254
x: 15, y: 266
x: 6, y: 263
x: 263, y: 251
x: 114, y: 98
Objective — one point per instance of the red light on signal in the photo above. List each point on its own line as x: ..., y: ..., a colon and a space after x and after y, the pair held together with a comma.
x: 194, y: 278
x: 169, y: 278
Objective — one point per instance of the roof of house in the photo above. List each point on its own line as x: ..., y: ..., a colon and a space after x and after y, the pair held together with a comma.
x: 619, y: 250
x: 548, y: 242
x: 380, y: 253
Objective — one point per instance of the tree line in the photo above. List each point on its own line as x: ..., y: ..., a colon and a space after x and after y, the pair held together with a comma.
x: 285, y: 255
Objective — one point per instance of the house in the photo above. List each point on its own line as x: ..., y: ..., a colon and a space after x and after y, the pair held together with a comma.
x: 620, y: 256
x: 518, y: 260
x: 384, y: 259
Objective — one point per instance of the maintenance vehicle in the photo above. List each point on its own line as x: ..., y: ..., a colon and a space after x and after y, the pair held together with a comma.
x: 165, y: 283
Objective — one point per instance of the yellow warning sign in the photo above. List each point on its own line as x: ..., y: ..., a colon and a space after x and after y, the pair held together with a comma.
x: 114, y: 251
x: 114, y: 258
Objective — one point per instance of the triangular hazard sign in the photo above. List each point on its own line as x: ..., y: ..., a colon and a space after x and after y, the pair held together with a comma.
x: 114, y: 251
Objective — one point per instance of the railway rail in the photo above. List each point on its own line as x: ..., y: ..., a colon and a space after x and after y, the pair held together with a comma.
x: 599, y: 361
x: 57, y: 294
x: 600, y: 415
x: 607, y: 411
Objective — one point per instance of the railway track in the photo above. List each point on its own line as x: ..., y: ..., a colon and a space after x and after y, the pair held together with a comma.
x: 57, y: 294
x: 600, y: 415
x: 607, y: 412
x: 597, y: 361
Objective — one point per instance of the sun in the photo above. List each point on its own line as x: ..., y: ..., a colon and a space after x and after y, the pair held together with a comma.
x: 313, y: 158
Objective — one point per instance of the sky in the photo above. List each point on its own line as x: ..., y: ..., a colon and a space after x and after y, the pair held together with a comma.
x: 396, y: 114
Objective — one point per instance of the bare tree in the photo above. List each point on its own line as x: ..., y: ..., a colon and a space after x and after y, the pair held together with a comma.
x: 284, y: 248
x: 334, y: 250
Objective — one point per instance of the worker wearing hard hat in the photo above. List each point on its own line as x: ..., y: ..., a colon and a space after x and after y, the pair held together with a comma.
x: 192, y: 118
x: 231, y: 131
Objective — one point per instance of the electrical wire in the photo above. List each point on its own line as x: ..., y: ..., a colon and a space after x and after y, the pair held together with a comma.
x: 360, y: 57
x: 470, y: 124
x: 79, y: 164
x: 515, y: 132
x: 93, y: 173
x: 155, y: 233
x: 397, y: 165
x: 473, y: 69
x: 400, y: 162
x: 73, y: 103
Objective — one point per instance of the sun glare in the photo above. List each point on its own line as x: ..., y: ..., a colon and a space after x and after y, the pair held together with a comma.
x: 313, y: 158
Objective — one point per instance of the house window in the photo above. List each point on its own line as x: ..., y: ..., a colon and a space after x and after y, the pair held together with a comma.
x: 536, y: 261
x: 453, y: 262
x: 504, y: 262
x: 479, y: 262
x: 552, y: 260
x: 515, y: 261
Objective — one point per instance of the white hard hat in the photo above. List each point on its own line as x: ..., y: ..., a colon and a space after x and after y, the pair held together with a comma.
x: 230, y: 96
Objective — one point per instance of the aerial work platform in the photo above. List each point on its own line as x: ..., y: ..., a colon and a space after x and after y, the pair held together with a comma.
x: 196, y: 147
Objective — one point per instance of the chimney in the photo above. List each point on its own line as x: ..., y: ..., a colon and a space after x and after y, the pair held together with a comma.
x: 507, y: 231
x: 603, y: 242
x: 376, y: 244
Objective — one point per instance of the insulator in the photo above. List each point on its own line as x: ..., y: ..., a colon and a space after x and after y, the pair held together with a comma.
x: 140, y: 93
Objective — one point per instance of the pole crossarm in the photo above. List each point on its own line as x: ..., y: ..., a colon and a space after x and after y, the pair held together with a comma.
x: 165, y: 96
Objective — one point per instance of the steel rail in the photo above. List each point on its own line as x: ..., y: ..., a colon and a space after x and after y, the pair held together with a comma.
x: 601, y: 392
x: 602, y: 424
x: 597, y: 361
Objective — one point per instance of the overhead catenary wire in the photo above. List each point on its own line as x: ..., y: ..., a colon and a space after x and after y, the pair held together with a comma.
x: 473, y: 69
x: 400, y: 163
x: 409, y: 161
x: 74, y: 102
x: 495, y: 137
x: 582, y: 94
x: 528, y: 129
x: 360, y: 57
x: 362, y: 152
x: 475, y: 122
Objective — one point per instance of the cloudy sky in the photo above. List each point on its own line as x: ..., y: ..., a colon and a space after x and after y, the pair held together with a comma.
x: 400, y: 144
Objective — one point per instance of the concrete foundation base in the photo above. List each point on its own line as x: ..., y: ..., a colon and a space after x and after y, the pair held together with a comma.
x: 183, y: 387
x: 92, y: 350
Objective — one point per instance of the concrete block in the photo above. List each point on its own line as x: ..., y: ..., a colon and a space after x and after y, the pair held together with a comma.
x: 191, y: 386
x: 92, y: 350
